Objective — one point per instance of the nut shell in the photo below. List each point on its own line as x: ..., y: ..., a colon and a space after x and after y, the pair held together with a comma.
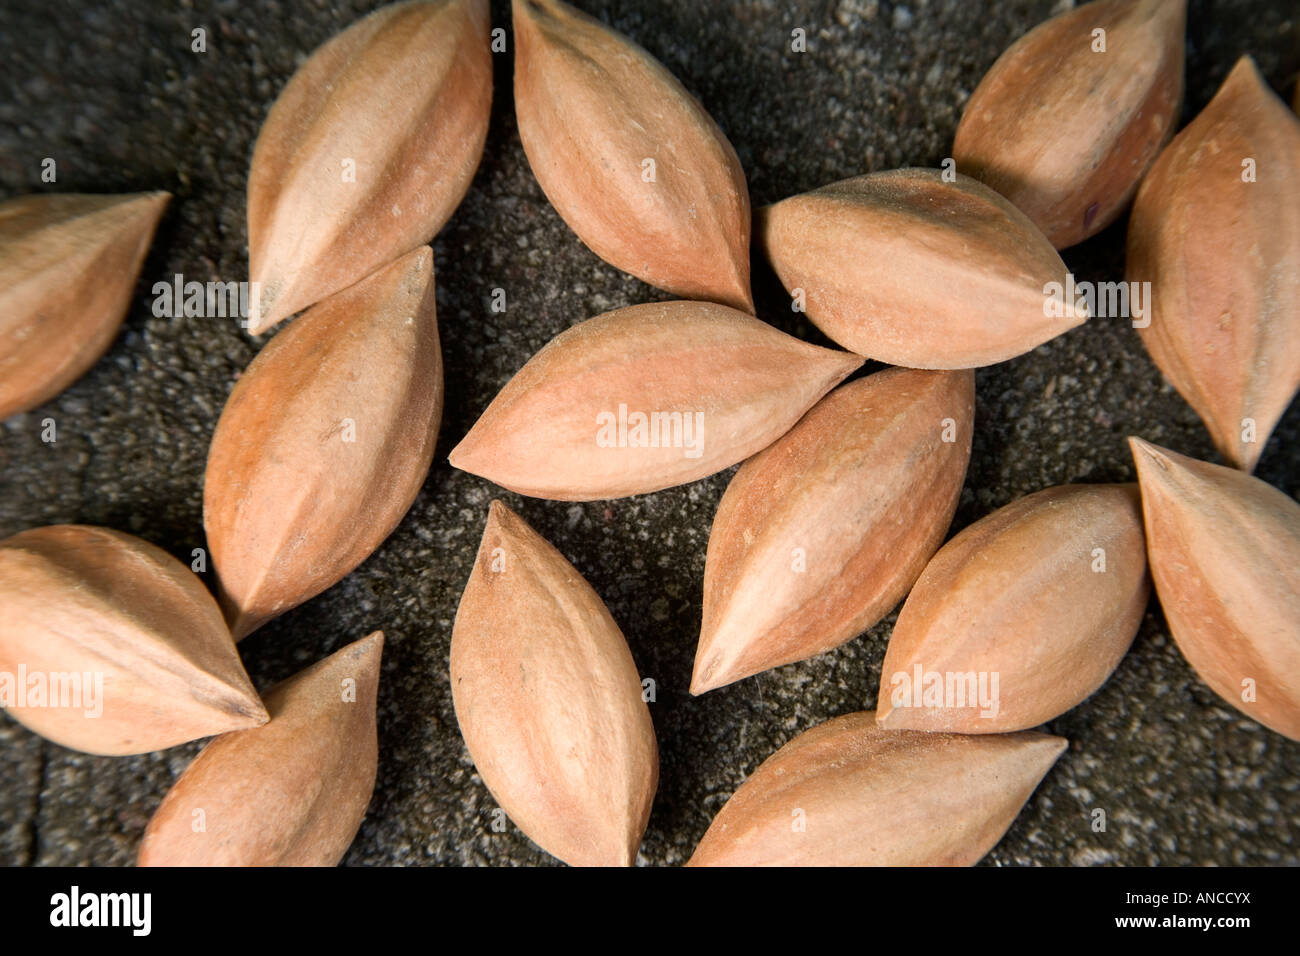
x: 86, y: 601
x: 593, y: 108
x: 292, y: 793
x: 367, y: 151
x: 549, y: 701
x: 821, y: 534
x: 1223, y: 259
x: 848, y: 793
x: 324, y: 443
x: 735, y: 384
x: 1225, y: 554
x: 1066, y: 131
x: 1043, y: 596
x: 906, y: 268
x: 68, y: 267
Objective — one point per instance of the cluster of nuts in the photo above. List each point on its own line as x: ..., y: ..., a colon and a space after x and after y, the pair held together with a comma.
x: 846, y: 492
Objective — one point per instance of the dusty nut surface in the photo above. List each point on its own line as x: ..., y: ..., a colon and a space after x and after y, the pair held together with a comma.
x: 911, y: 268
x: 1215, y: 230
x: 821, y: 534
x: 110, y: 645
x: 1069, y: 119
x: 549, y: 701
x: 291, y: 793
x: 1225, y: 554
x: 68, y: 266
x: 133, y: 434
x: 850, y: 793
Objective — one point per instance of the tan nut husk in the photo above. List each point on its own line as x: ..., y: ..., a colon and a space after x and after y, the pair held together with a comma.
x: 367, y: 151
x: 1021, y: 616
x: 1065, y: 130
x: 1225, y: 554
x: 549, y: 701
x: 848, y: 793
x: 126, y: 638
x: 909, y: 269
x: 823, y: 533
x: 324, y: 443
x: 722, y: 384
x: 292, y: 793
x: 68, y: 267
x: 1223, y: 259
x: 628, y: 158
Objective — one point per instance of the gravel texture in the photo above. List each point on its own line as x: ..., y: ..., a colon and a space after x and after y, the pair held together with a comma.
x: 112, y: 91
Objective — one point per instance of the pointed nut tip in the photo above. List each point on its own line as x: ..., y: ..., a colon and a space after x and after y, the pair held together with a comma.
x: 702, y: 684
x: 707, y: 677
x: 458, y: 456
x: 255, y: 321
x: 1244, y: 71
x: 366, y: 652
x: 1146, y: 454
x: 158, y: 199
x: 252, y: 713
x: 263, y: 311
x: 1245, y: 61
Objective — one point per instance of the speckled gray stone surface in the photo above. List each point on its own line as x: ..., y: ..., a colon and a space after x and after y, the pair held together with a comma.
x: 112, y: 92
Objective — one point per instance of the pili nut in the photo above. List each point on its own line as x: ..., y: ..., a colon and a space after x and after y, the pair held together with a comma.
x: 367, y: 151
x: 549, y: 701
x: 628, y: 158
x: 68, y: 267
x: 111, y: 646
x: 1073, y: 114
x: 644, y: 398
x: 823, y: 533
x: 1225, y: 554
x: 1216, y: 231
x: 324, y: 443
x: 906, y: 268
x: 849, y: 793
x: 1021, y: 616
x: 291, y: 793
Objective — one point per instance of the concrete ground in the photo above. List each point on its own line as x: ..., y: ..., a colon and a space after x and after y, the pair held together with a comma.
x: 112, y: 91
